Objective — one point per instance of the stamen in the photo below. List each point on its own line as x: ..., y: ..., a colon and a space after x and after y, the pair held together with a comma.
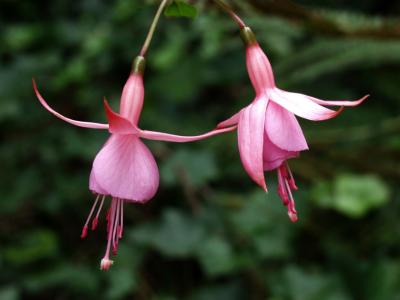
x: 106, y: 262
x: 84, y: 232
x: 284, y: 171
x: 108, y: 219
x: 285, y: 186
x: 108, y: 214
x: 121, y: 222
x: 96, y: 219
x: 291, y: 207
x: 114, y: 234
x: 292, y: 182
x: 85, y: 227
x: 282, y: 189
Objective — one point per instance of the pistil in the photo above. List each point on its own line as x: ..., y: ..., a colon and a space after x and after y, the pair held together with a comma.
x: 106, y: 262
x: 114, y: 231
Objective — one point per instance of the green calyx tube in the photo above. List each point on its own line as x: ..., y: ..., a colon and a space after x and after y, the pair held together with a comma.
x: 139, y: 64
x: 248, y: 36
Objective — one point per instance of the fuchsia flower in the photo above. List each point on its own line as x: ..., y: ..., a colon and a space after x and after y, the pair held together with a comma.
x: 124, y: 169
x: 268, y: 132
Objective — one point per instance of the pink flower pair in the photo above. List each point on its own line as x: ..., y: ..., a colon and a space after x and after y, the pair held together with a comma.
x: 268, y: 135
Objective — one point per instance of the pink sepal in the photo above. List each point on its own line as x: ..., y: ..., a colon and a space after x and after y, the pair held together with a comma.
x: 230, y: 122
x: 166, y: 137
x: 118, y: 124
x: 60, y: 116
x: 301, y: 106
x: 337, y: 102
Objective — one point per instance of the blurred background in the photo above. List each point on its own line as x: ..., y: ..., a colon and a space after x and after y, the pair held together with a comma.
x: 210, y: 232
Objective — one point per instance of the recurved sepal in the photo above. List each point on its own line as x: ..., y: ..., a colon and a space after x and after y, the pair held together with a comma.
x: 248, y: 36
x: 139, y: 65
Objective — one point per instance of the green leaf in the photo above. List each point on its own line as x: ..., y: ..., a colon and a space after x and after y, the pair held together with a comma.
x: 69, y: 276
x: 228, y: 291
x: 216, y: 256
x: 18, y: 37
x: 33, y: 246
x: 122, y: 281
x: 181, y: 9
x: 312, y: 285
x: 352, y: 195
x: 9, y: 293
x: 336, y: 55
x: 382, y: 280
x: 177, y: 235
x: 197, y: 167
x: 262, y: 220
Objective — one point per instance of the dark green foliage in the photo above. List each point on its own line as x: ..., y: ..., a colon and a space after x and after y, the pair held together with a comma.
x: 210, y: 233
x: 181, y: 9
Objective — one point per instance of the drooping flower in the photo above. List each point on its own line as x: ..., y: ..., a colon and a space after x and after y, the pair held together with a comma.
x: 268, y: 132
x: 124, y: 169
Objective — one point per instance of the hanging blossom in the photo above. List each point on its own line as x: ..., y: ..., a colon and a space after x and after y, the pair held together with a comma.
x: 124, y: 169
x: 268, y: 132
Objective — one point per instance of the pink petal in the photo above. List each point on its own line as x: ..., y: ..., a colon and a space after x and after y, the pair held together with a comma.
x: 302, y: 106
x: 231, y: 121
x: 336, y: 103
x: 126, y: 169
x: 273, y: 156
x: 94, y: 186
x: 166, y: 137
x: 251, y: 139
x: 283, y: 129
x: 68, y: 120
x: 118, y: 124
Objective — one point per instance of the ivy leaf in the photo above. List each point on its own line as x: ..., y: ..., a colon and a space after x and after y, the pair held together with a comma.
x: 352, y: 195
x: 216, y: 256
x: 180, y: 8
x: 177, y: 235
x: 198, y: 167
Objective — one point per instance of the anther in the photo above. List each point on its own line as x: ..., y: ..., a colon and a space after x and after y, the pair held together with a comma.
x: 85, y: 227
x: 84, y: 231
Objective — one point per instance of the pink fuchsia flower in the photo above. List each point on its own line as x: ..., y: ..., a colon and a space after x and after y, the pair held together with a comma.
x: 268, y: 132
x: 124, y: 169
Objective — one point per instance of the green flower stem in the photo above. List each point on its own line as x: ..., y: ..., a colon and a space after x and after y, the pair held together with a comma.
x: 230, y: 11
x: 153, y: 26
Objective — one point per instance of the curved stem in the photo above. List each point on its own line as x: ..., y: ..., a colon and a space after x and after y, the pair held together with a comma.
x: 153, y: 27
x: 230, y: 11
